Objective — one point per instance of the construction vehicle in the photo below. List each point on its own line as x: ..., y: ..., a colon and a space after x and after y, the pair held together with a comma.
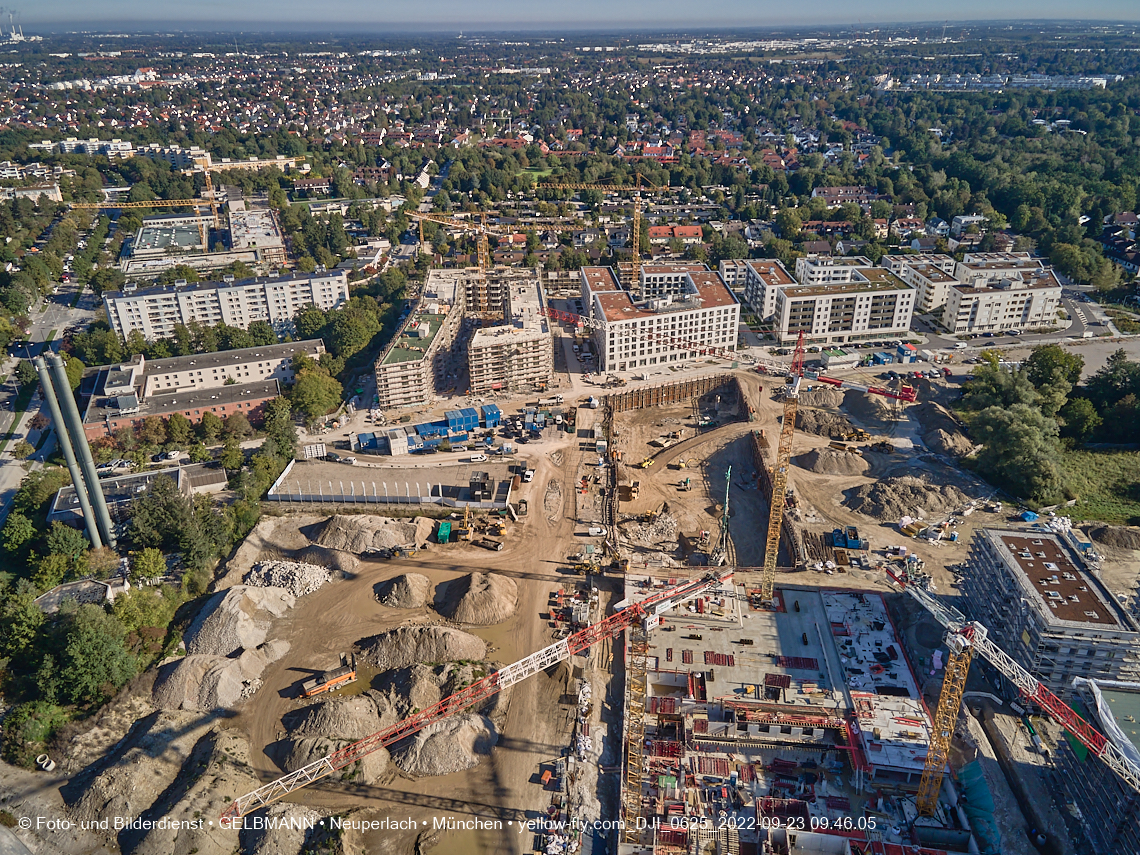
x: 464, y: 533
x: 326, y: 681
x: 646, y: 463
x: 856, y: 435
x: 966, y: 639
x: 487, y: 543
x: 404, y: 552
x: 883, y: 447
x: 634, y: 490
x: 643, y: 614
x: 522, y: 507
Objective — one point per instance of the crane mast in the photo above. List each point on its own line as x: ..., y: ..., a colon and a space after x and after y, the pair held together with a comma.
x: 644, y: 613
x: 780, y: 473
x: 965, y: 640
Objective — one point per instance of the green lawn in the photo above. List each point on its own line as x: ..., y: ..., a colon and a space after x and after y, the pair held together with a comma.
x: 50, y: 337
x: 23, y: 398
x: 541, y: 173
x: 1106, y: 485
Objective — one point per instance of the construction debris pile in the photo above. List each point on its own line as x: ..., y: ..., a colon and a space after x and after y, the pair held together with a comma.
x: 297, y: 579
x: 661, y: 529
x: 365, y: 533
x: 830, y: 461
x: 481, y: 599
x: 407, y: 591
x: 893, y: 498
x: 1118, y: 536
x: 822, y: 423
x: 446, y: 746
x: 408, y: 645
x: 821, y: 396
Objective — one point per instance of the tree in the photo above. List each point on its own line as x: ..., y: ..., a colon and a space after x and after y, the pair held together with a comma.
x: 238, y: 426
x: 20, y: 618
x: 789, y: 223
x: 102, y: 562
x: 232, y: 457
x: 148, y: 563
x: 1021, y: 452
x: 74, y: 368
x: 23, y: 449
x: 18, y: 532
x: 153, y: 430
x: 1079, y: 419
x: 67, y: 541
x: 199, y: 453
x: 39, y: 421
x: 95, y: 660
x: 262, y: 334
x: 315, y: 394
x: 1046, y: 358
x: 210, y: 427
x: 993, y: 386
x: 178, y: 430
x: 162, y: 517
x: 309, y: 322
x: 50, y: 571
x: 279, y: 426
x: 26, y: 373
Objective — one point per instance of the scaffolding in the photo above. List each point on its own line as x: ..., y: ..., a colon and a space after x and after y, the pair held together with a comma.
x: 636, y: 687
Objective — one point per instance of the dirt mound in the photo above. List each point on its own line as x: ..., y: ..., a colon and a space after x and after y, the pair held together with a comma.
x: 892, y: 498
x: 940, y: 433
x: 478, y: 598
x: 828, y: 461
x: 406, y: 690
x: 408, y: 645
x: 447, y: 746
x: 334, y: 559
x: 822, y: 423
x: 364, y: 533
x: 296, y: 578
x: 869, y: 409
x: 1118, y: 536
x: 821, y: 396
x: 207, y: 683
x: 552, y: 500
x: 291, y: 828
x: 407, y: 591
x: 317, y: 730
x: 236, y: 619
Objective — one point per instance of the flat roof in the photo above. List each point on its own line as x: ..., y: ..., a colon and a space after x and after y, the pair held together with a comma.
x: 411, y: 348
x: 931, y: 272
x: 1060, y: 585
x: 772, y: 271
x: 824, y: 289
x: 673, y: 267
x: 1026, y: 279
x: 156, y: 237
x: 106, y: 407
x: 213, y: 286
x: 711, y: 293
x: 227, y: 358
x: 600, y: 279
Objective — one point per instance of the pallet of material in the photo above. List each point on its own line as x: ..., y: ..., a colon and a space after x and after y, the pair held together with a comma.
x: 802, y: 662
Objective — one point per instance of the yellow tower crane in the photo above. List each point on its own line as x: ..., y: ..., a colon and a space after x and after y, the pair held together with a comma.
x: 480, y: 227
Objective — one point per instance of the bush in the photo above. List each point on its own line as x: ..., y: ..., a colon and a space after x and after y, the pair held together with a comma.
x: 28, y: 728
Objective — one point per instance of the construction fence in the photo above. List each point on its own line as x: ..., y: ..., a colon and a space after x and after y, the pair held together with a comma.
x: 789, y: 534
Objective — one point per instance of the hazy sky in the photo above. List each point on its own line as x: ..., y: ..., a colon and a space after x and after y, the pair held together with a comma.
x: 445, y: 15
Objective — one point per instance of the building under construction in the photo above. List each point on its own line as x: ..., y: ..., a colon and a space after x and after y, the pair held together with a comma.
x: 806, y: 712
x: 516, y: 355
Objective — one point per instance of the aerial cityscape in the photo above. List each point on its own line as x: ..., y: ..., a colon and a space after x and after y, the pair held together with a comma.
x: 640, y: 436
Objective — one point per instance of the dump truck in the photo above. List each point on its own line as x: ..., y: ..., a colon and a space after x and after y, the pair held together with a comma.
x: 326, y: 681
x: 634, y: 490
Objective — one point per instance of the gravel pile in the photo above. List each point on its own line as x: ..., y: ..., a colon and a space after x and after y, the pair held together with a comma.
x: 1118, y: 536
x: 408, y: 645
x: 364, y: 533
x: 286, y: 835
x: 236, y: 619
x: 662, y: 529
x: 317, y: 730
x: 828, y: 461
x: 821, y: 396
x: 297, y: 579
x: 478, y: 598
x: 552, y: 500
x: 206, y: 683
x: 447, y: 746
x: 406, y: 690
x: 892, y: 498
x: 822, y: 423
x: 407, y: 591
x: 940, y: 433
x: 334, y: 559
x: 870, y: 409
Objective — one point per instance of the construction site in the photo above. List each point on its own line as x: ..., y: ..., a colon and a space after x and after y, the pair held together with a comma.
x: 714, y: 615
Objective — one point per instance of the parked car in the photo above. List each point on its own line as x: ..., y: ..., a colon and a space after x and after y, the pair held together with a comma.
x: 478, y: 458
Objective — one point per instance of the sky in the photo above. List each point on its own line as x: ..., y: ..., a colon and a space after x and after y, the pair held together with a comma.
x: 371, y: 16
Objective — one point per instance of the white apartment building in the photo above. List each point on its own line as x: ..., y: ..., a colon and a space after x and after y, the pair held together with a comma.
x: 519, y: 355
x: 875, y: 305
x: 1022, y: 298
x: 665, y: 330
x: 733, y: 271
x: 931, y: 284
x: 176, y: 155
x: 156, y: 311
x: 214, y: 370
x: 762, y: 279
x: 979, y: 268
x: 826, y: 270
x: 895, y: 263
x: 665, y: 280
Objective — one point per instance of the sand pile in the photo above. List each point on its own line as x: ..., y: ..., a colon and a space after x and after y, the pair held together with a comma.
x: 892, y: 498
x: 407, y: 591
x: 408, y: 645
x: 363, y: 533
x: 869, y: 409
x: 478, y: 598
x: 822, y: 423
x: 334, y: 559
x: 552, y: 500
x: 287, y: 834
x: 318, y: 730
x: 1118, y: 536
x: 420, y: 686
x: 828, y: 461
x: 298, y: 579
x: 821, y: 396
x: 236, y: 619
x: 447, y: 746
x: 205, y: 683
x: 940, y: 433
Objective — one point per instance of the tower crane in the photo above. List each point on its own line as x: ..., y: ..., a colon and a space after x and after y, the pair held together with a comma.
x: 965, y: 640
x: 196, y: 204
x: 643, y: 614
x: 638, y: 187
x: 780, y: 472
x: 481, y: 228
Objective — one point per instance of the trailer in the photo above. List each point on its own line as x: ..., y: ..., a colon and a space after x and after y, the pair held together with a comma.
x: 326, y: 681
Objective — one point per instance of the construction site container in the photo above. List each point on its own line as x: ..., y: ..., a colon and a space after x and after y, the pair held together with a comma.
x: 444, y: 533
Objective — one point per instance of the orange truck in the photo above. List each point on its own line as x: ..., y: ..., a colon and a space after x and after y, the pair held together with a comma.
x: 326, y: 681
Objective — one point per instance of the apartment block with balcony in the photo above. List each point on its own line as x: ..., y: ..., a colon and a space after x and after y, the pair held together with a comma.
x: 762, y: 279
x: 1025, y: 298
x: 874, y: 304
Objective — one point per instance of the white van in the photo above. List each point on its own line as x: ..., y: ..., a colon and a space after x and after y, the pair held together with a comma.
x: 961, y: 345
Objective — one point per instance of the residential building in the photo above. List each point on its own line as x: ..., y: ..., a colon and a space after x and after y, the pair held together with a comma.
x: 824, y: 270
x: 176, y: 155
x: 873, y: 304
x: 419, y: 360
x: 214, y: 370
x: 155, y: 312
x: 763, y: 277
x: 836, y: 196
x: 733, y: 271
x: 1106, y: 807
x: 962, y: 223
x: 895, y: 263
x: 1044, y: 608
x: 978, y: 267
x: 664, y: 280
x: 1026, y: 298
x: 930, y: 282
x: 518, y: 355
x: 699, y: 315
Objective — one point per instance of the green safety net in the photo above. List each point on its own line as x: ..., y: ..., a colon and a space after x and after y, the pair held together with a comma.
x: 979, y: 807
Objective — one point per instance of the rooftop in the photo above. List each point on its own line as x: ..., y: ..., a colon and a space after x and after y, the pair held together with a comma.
x: 934, y: 274
x: 771, y: 271
x: 709, y: 292
x: 103, y: 406
x: 412, y: 344
x: 600, y: 278
x: 253, y: 228
x: 874, y: 282
x: 211, y: 286
x: 1058, y: 584
x: 228, y: 358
